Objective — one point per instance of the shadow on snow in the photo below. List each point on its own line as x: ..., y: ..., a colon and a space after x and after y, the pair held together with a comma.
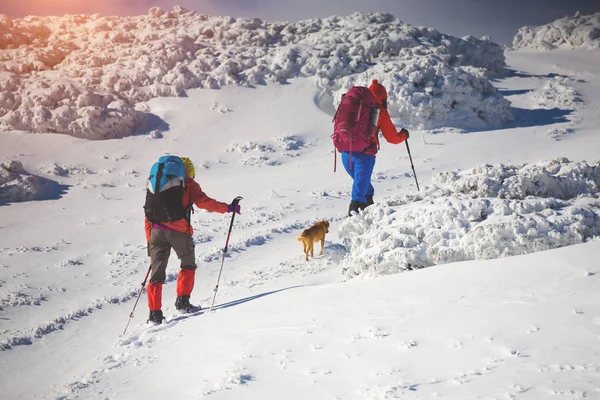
x: 246, y: 299
x: 233, y: 303
x: 148, y: 122
x: 47, y: 190
x: 511, y: 73
x: 506, y: 92
x: 539, y: 117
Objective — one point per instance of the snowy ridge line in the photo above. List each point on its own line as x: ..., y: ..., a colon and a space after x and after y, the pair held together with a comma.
x: 84, y: 74
x: 578, y: 31
x: 489, y: 212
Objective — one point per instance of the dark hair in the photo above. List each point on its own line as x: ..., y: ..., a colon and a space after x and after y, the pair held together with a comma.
x: 384, y: 103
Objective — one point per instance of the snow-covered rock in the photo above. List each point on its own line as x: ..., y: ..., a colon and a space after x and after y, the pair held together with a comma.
x: 578, y: 31
x: 83, y: 74
x: 488, y: 212
x: 18, y: 185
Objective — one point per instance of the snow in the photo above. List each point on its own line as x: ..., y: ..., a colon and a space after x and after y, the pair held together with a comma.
x: 91, y: 76
x: 578, y: 31
x: 18, y: 185
x: 489, y: 212
x: 482, y: 285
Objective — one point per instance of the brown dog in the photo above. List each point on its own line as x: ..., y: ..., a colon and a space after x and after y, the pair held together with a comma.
x: 314, y: 234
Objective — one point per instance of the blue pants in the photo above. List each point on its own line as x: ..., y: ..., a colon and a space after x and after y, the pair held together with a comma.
x: 362, y: 169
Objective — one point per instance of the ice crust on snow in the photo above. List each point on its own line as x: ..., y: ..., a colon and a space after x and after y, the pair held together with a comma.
x: 578, y: 31
x: 86, y: 75
x: 488, y: 212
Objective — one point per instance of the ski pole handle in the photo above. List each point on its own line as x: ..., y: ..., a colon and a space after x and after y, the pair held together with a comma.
x: 235, y: 201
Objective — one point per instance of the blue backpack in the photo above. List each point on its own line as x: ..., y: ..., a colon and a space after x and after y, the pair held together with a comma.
x: 164, y: 191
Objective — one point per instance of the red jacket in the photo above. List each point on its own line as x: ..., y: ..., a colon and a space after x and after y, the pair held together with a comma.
x: 192, y: 194
x: 389, y: 132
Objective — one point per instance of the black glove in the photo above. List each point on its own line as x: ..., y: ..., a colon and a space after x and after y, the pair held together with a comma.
x: 403, y: 130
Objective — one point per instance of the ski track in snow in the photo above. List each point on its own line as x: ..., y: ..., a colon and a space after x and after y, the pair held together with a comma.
x: 126, y: 262
x: 130, y: 261
x: 130, y: 350
x: 356, y: 347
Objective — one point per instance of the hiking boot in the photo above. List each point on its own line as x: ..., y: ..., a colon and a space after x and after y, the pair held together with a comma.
x: 356, y: 206
x: 370, y: 201
x: 156, y: 317
x: 182, y: 304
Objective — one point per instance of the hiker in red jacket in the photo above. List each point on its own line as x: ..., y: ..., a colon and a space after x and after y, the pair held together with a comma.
x: 359, y: 165
x: 163, y: 237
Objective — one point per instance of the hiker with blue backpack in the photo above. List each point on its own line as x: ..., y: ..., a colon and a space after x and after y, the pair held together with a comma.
x: 171, y: 194
x: 358, y: 119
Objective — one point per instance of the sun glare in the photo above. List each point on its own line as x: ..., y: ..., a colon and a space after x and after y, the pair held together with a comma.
x: 62, y: 7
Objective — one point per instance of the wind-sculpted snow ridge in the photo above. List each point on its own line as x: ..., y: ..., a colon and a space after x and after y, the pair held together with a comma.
x: 84, y: 74
x: 489, y: 212
x: 578, y: 31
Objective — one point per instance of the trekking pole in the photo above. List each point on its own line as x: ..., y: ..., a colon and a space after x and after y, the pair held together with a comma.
x: 411, y: 164
x: 234, y: 202
x: 138, y: 299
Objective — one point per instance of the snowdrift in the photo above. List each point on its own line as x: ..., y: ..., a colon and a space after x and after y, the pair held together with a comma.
x: 88, y: 75
x: 16, y: 184
x: 488, y: 212
x: 578, y: 31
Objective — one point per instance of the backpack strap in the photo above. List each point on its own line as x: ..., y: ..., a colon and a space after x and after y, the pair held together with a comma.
x: 159, y: 174
x: 359, y: 110
x: 338, y: 109
x: 189, y: 210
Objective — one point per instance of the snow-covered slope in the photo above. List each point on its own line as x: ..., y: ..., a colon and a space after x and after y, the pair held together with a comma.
x: 524, y: 327
x: 578, y: 31
x: 89, y: 76
x: 521, y: 326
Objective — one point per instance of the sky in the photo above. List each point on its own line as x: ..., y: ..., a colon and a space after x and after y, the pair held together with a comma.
x: 346, y: 324
x: 495, y: 18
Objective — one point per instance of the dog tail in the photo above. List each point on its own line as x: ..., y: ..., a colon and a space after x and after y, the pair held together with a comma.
x: 300, y: 238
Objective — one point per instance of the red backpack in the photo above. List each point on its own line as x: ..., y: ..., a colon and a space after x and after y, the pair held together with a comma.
x: 355, y: 121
